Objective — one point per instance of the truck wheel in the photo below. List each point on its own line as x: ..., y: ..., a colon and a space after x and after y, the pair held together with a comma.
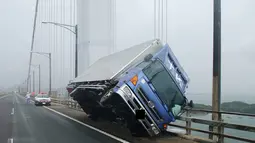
x: 93, y: 117
x: 137, y: 130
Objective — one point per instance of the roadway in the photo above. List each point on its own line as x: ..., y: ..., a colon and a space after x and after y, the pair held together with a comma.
x: 26, y: 123
x: 113, y: 129
x: 6, y: 105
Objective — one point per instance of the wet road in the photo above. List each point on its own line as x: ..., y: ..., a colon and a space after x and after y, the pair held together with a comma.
x: 6, y: 105
x: 26, y: 123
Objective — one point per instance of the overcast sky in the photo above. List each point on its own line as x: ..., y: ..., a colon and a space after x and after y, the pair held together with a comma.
x: 189, y: 35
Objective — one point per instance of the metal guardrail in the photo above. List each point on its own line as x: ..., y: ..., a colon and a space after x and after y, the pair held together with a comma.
x: 220, y: 124
x: 70, y: 103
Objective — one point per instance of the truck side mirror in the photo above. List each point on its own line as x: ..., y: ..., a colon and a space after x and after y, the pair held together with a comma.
x: 191, y: 104
x: 148, y: 57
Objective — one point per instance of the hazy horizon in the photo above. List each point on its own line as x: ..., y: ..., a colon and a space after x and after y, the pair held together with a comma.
x: 189, y: 34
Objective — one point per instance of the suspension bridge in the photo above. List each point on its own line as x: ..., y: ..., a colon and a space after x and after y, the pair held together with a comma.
x: 72, y: 34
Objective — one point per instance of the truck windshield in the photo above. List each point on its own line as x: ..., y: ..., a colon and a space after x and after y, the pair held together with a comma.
x: 165, y: 87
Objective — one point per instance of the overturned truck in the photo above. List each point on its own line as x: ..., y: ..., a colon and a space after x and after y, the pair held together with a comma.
x: 142, y: 87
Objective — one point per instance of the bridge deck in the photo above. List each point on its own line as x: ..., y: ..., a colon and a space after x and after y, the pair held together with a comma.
x: 114, y: 129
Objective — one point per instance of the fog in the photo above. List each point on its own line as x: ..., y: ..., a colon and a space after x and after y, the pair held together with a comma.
x: 188, y: 32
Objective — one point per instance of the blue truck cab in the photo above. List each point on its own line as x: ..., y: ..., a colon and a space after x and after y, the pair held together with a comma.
x: 156, y: 85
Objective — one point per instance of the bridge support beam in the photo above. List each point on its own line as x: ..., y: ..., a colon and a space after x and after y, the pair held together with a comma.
x: 216, y: 93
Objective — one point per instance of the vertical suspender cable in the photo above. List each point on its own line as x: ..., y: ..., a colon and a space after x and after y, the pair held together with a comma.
x: 166, y: 21
x: 162, y: 20
x: 32, y: 43
x: 54, y: 45
x: 74, y: 23
x: 60, y: 43
x: 111, y: 19
x: 53, y: 42
x: 110, y: 26
x: 70, y: 43
x: 64, y: 43
x: 75, y: 20
x: 115, y: 26
x: 159, y: 19
x: 48, y: 19
x: 57, y: 43
x: 50, y: 28
x: 155, y: 35
x: 40, y: 10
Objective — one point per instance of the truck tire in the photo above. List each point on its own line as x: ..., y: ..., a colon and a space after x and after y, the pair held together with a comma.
x: 137, y: 130
x: 93, y: 117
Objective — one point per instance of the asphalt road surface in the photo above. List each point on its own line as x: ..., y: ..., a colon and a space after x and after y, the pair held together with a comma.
x: 6, y: 105
x: 26, y: 123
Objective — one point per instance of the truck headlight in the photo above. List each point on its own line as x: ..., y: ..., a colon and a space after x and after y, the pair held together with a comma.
x: 127, y: 91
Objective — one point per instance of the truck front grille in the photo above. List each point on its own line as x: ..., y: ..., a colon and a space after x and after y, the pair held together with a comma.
x: 145, y: 99
x: 135, y: 104
x: 147, y: 121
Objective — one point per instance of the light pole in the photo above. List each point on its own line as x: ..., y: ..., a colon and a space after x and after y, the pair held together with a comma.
x: 48, y: 55
x: 75, y: 32
x: 39, y: 83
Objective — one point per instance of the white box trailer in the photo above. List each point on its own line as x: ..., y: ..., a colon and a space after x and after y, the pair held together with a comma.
x: 111, y: 66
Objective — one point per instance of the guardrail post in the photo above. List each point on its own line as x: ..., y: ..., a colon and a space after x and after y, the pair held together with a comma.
x: 221, y: 131
x: 211, y: 130
x: 188, y: 123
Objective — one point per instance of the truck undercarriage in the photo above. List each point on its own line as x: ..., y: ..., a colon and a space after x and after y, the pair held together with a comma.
x: 96, y: 101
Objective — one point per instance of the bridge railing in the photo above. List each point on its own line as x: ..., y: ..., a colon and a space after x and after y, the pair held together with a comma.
x: 220, y: 125
x: 219, y: 133
x: 68, y: 102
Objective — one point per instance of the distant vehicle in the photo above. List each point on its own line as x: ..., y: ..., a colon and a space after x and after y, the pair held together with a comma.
x: 42, y: 99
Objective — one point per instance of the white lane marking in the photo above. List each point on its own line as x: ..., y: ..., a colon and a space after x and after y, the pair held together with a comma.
x: 12, y: 111
x: 10, y: 140
x: 3, y: 96
x: 93, y: 128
